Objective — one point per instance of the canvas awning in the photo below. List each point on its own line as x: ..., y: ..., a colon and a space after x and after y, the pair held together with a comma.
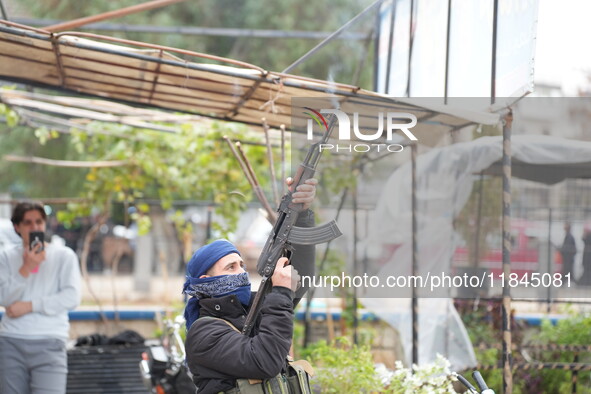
x: 182, y: 80
x: 547, y: 160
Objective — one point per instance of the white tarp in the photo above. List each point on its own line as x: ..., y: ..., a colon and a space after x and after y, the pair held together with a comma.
x: 444, y: 183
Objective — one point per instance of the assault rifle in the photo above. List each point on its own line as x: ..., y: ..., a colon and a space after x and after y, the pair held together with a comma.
x: 284, y: 233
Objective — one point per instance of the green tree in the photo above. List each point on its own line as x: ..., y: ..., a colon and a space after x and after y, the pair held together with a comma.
x: 194, y: 163
x: 32, y: 180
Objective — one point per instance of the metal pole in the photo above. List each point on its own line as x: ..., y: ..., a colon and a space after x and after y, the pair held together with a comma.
x: 506, y: 306
x: 390, y: 43
x: 208, y: 223
x: 415, y: 304
x: 196, y: 30
x: 111, y: 14
x: 355, y: 264
x: 310, y: 295
x: 271, y: 163
x: 493, y: 73
x: 550, y: 268
x: 3, y: 10
x: 282, y: 128
x: 376, y: 50
x: 365, y: 235
x: 410, y: 40
x: 478, y: 223
x: 575, y: 373
x: 331, y: 37
x: 447, y: 35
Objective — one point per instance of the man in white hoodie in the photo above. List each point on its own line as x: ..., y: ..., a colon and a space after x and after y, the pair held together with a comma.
x: 37, y: 289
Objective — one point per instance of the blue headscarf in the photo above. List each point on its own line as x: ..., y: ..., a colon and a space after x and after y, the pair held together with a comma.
x: 215, y: 286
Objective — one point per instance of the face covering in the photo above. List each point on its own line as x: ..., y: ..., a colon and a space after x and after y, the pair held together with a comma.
x: 217, y: 286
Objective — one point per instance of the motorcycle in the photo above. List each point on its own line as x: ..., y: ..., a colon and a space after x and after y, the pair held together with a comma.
x: 163, y: 367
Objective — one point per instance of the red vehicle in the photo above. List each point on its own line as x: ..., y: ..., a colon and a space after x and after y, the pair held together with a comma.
x: 528, y: 253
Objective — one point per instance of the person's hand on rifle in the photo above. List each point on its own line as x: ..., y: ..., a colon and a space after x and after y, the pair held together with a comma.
x: 305, y: 193
x: 285, y: 275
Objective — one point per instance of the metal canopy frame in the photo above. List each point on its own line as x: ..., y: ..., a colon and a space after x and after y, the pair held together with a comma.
x: 159, y: 76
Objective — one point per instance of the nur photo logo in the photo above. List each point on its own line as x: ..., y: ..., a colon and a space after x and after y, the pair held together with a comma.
x: 393, y: 121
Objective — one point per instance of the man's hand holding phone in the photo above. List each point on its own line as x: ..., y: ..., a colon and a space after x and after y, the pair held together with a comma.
x: 34, y: 255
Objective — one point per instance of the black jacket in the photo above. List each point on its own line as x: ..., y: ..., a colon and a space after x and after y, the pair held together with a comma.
x: 217, y: 354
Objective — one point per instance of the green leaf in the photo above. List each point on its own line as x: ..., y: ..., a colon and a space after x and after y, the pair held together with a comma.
x: 42, y: 133
x: 11, y: 118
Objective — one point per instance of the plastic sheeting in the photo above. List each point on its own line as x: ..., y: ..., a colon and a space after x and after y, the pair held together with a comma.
x: 444, y: 184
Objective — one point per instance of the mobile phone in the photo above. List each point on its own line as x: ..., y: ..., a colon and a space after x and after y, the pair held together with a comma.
x: 36, y: 238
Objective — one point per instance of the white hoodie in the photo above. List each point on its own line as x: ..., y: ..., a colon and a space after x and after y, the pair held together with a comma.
x: 53, y: 291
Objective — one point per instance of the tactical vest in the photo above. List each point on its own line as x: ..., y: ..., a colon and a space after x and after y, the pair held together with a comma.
x: 296, y: 380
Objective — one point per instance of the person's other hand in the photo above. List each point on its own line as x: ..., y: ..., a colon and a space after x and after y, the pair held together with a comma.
x: 305, y: 193
x: 285, y: 275
x: 19, y: 309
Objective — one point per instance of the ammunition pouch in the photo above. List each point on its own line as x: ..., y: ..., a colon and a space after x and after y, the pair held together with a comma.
x: 295, y: 381
x: 298, y: 377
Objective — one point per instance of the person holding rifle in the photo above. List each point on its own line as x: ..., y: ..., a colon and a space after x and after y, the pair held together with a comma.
x: 220, y: 357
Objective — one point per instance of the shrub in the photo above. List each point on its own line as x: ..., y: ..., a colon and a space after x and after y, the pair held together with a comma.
x: 433, y: 378
x: 345, y: 368
x: 574, y: 330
